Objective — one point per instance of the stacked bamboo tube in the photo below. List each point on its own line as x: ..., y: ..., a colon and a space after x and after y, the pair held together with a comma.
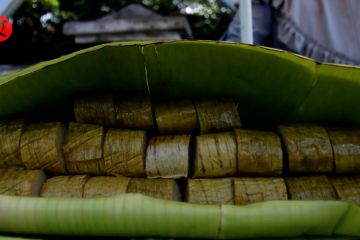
x: 131, y: 145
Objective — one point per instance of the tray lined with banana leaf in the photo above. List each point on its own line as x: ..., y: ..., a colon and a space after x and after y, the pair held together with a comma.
x: 293, y: 142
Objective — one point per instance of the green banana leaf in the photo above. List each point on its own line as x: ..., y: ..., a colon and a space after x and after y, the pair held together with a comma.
x: 271, y: 87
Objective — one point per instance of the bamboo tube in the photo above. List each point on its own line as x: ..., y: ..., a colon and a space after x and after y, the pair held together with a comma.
x: 217, y: 115
x: 21, y: 182
x: 346, y: 147
x: 347, y: 188
x: 134, y: 113
x: 167, y: 189
x: 176, y: 117
x: 252, y: 190
x: 258, y: 153
x: 64, y: 186
x: 83, y: 148
x: 10, y: 133
x: 210, y: 191
x: 168, y: 156
x: 310, y: 188
x: 105, y: 186
x: 308, y: 148
x: 124, y: 152
x: 41, y: 147
x: 95, y: 109
x: 215, y: 155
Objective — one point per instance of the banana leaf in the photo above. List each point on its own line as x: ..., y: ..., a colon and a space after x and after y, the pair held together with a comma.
x: 270, y: 86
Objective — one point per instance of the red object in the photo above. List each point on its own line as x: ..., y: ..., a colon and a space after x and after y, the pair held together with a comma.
x: 5, y: 28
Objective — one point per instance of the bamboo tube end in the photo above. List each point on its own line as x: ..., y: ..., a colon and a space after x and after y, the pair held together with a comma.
x: 308, y: 148
x: 258, y: 153
x: 210, y: 191
x: 83, y: 148
x: 64, y: 186
x: 41, y: 147
x: 124, y: 152
x: 215, y: 155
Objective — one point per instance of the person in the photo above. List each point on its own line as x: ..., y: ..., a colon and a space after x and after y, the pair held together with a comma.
x: 327, y: 31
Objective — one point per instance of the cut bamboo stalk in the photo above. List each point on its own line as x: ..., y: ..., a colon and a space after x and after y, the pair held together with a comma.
x: 308, y: 148
x: 83, y: 148
x: 252, y: 190
x: 347, y: 188
x: 258, y: 153
x: 167, y: 189
x: 21, y: 182
x: 41, y: 147
x: 105, y: 186
x: 215, y: 155
x: 95, y: 109
x: 210, y: 191
x: 310, y: 188
x: 64, y: 186
x: 176, y: 117
x: 217, y: 115
x: 124, y: 152
x: 10, y: 133
x: 346, y: 147
x: 168, y: 157
x: 134, y: 113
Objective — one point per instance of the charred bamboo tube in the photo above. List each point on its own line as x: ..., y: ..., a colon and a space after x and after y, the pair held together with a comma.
x: 105, y: 186
x: 258, y: 153
x: 124, y: 152
x: 64, y: 186
x: 10, y: 133
x: 167, y: 189
x: 95, y: 109
x: 134, y: 113
x: 217, y: 115
x: 41, y: 147
x: 308, y: 148
x: 176, y: 117
x: 215, y: 155
x: 310, y: 188
x: 83, y: 148
x: 21, y: 182
x: 168, y: 157
x: 252, y: 190
x: 347, y: 188
x: 210, y: 191
x: 346, y: 147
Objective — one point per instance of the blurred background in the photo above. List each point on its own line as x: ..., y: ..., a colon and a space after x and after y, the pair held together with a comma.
x: 38, y: 24
x: 327, y: 31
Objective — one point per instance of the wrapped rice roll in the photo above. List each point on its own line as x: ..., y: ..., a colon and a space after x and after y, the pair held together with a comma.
x: 21, y: 182
x: 215, y: 155
x: 124, y: 152
x: 310, y: 188
x: 217, y: 115
x: 41, y: 147
x: 258, y: 153
x: 176, y: 117
x: 252, y: 190
x: 134, y: 113
x: 167, y: 189
x: 64, y: 186
x: 210, y: 191
x: 347, y: 188
x: 168, y: 157
x: 346, y: 147
x: 83, y: 148
x: 308, y: 148
x: 10, y: 133
x: 105, y: 186
x: 96, y: 109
